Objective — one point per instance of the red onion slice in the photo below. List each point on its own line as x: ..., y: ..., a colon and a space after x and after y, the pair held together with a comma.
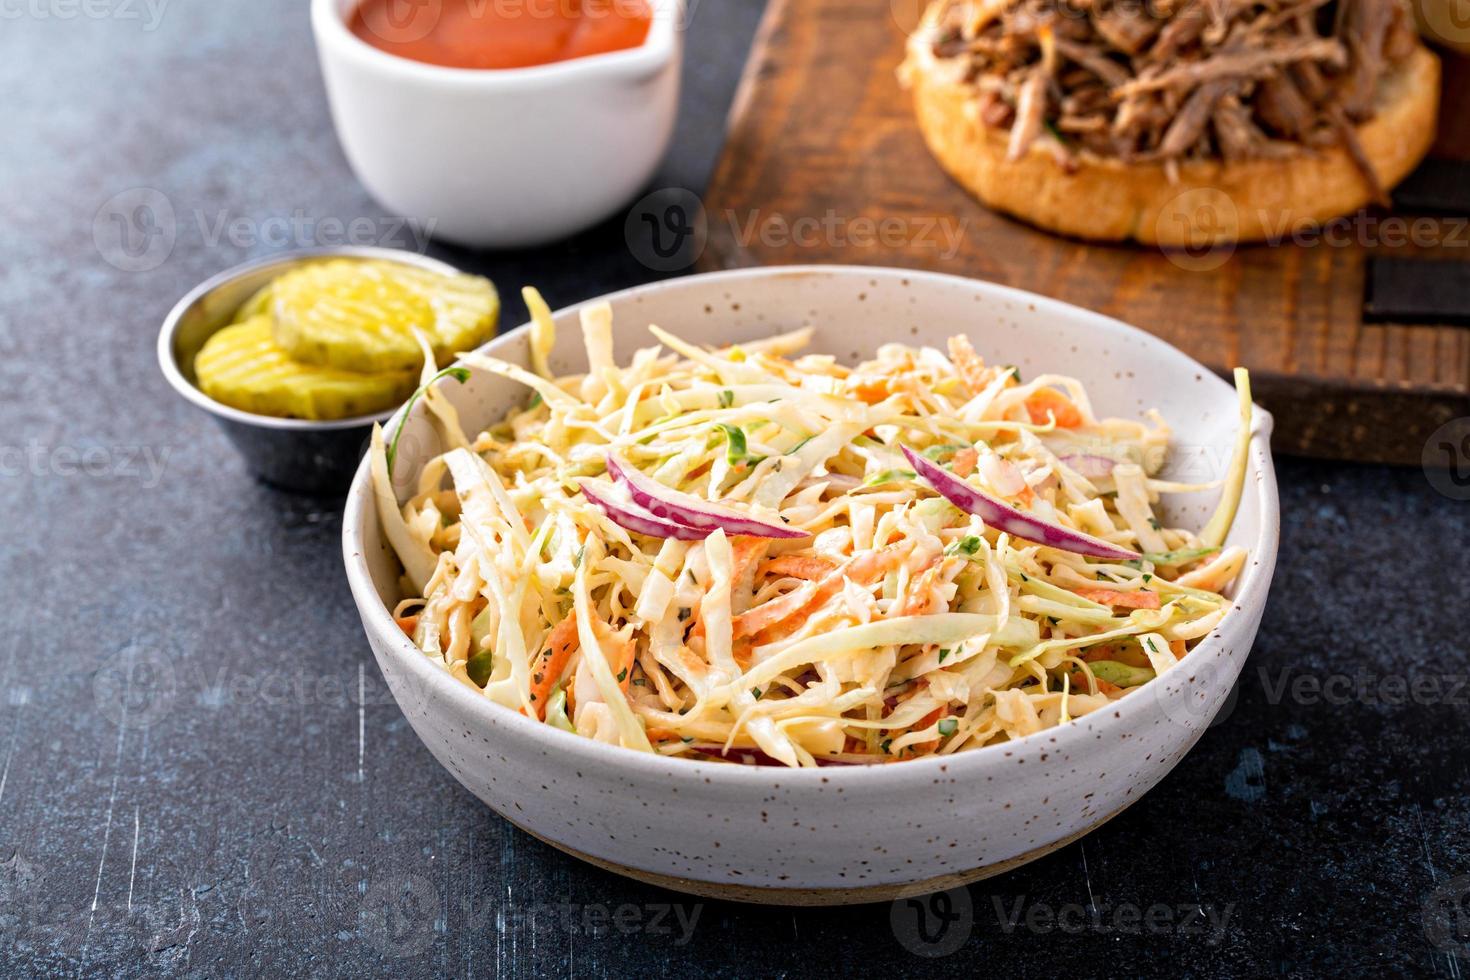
x: 1002, y: 516
x: 1091, y: 467
x: 628, y: 515
x: 681, y: 508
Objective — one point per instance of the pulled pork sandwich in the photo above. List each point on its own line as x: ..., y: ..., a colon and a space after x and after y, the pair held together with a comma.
x: 1175, y: 122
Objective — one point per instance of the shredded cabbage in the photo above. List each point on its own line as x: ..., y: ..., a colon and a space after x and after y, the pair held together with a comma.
x: 900, y: 627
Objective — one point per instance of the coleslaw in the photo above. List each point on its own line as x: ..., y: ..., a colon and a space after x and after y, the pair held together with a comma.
x: 759, y: 555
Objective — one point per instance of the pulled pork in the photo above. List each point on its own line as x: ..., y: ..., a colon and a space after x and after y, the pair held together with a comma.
x: 1167, y: 81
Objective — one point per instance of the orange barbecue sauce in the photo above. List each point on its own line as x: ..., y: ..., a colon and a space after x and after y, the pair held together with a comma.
x: 501, y: 33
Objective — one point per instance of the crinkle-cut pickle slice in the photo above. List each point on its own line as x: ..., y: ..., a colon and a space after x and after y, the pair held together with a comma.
x: 243, y: 367
x: 259, y: 304
x: 358, y: 316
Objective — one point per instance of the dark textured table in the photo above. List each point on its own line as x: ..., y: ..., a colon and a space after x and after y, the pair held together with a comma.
x: 201, y: 771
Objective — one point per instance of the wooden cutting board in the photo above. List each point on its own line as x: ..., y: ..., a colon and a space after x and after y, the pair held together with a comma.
x: 824, y: 163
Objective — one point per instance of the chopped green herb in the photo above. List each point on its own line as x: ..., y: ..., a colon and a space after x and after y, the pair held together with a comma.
x: 1153, y: 522
x: 622, y: 675
x: 727, y: 398
x: 967, y: 545
x: 945, y: 652
x: 948, y: 726
x: 736, y: 453
x: 755, y: 692
x: 535, y: 402
x: 684, y: 613
x: 884, y: 745
x: 1015, y: 372
x: 577, y: 561
x: 736, y: 438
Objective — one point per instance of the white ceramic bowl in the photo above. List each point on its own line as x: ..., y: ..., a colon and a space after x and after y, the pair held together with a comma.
x: 842, y: 834
x: 501, y: 158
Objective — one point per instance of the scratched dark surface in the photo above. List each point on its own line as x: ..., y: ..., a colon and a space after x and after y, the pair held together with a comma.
x: 202, y: 774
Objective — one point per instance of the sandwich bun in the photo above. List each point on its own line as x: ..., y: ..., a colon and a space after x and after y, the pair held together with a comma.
x: 1109, y: 199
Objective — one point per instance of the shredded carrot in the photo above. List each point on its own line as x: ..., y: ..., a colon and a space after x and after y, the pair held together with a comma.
x: 552, y: 662
x: 1178, y: 648
x: 1139, y: 599
x: 625, y: 663
x: 661, y: 735
x: 747, y: 553
x: 969, y: 364
x: 808, y: 567
x: 768, y: 614
x: 964, y: 461
x: 1125, y: 653
x: 865, y: 570
x: 1046, y: 402
x: 870, y: 390
x: 932, y: 718
x: 691, y: 663
x: 1103, y: 687
x: 408, y: 624
x: 920, y: 599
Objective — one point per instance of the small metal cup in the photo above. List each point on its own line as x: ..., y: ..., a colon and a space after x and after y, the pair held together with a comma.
x: 294, y: 454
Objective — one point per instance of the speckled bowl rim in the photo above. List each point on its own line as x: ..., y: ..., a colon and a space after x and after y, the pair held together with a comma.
x: 1250, y: 595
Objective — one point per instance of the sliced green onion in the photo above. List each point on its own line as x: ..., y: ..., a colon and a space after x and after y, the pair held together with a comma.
x: 460, y: 374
